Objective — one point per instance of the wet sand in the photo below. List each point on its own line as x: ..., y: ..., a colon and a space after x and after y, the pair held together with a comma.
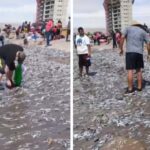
x: 101, y: 111
x: 36, y: 116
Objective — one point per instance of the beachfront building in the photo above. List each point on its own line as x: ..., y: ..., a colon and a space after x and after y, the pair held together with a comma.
x: 52, y: 9
x: 118, y: 14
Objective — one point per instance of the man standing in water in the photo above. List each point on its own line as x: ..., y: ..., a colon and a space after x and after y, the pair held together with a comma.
x: 9, y: 54
x: 135, y: 36
x: 83, y: 50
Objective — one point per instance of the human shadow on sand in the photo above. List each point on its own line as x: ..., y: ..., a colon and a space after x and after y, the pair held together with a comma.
x: 92, y: 73
x: 144, y: 84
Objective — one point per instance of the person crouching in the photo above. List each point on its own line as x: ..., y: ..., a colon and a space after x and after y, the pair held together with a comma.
x: 11, y: 53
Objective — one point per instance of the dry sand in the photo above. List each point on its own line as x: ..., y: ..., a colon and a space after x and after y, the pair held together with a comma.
x: 56, y: 44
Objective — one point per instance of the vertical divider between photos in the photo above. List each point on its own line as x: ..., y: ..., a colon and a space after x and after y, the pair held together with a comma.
x: 71, y: 76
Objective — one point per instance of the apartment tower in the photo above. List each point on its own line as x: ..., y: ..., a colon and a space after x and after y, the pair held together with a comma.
x: 118, y: 14
x: 54, y: 9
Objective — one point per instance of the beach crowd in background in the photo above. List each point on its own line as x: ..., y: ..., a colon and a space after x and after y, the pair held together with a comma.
x: 28, y: 31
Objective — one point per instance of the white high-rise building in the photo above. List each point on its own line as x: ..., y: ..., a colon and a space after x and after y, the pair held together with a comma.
x: 52, y: 9
x: 118, y: 14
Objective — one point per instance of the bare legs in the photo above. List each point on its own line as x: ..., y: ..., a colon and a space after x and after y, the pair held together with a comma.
x: 130, y: 79
x: 81, y: 70
x: 8, y: 76
x: 139, y: 78
x: 87, y: 70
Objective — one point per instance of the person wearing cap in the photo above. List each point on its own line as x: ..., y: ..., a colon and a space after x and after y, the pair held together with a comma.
x: 10, y: 54
x: 135, y: 36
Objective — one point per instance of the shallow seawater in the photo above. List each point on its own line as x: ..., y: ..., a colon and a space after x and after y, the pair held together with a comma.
x: 101, y: 111
x: 36, y: 116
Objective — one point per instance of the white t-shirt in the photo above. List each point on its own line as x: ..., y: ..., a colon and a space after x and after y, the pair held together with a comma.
x: 82, y: 44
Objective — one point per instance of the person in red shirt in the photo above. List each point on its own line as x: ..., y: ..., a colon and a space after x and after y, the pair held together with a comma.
x: 98, y: 36
x: 54, y: 33
x: 49, y: 27
x: 118, y: 38
x: 59, y: 27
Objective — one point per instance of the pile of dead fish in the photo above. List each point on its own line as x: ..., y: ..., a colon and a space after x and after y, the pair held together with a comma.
x: 36, y: 115
x: 101, y: 110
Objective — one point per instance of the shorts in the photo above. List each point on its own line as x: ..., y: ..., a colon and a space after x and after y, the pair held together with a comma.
x: 58, y: 32
x: 84, y: 60
x: 134, y: 61
x: 12, y: 67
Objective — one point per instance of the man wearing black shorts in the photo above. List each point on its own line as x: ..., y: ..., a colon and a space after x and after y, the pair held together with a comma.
x: 135, y: 36
x: 9, y: 54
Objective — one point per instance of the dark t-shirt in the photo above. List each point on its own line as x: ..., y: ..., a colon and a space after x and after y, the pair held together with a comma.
x: 8, y: 53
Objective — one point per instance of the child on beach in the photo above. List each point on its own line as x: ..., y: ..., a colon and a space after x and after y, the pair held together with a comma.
x: 83, y: 50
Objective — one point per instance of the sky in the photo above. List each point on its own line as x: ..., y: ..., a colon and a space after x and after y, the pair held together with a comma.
x: 17, y: 11
x: 91, y: 14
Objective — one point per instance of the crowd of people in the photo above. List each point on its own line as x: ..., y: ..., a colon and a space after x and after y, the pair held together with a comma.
x: 12, y: 55
x: 135, y: 35
x: 46, y: 30
x: 97, y: 38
